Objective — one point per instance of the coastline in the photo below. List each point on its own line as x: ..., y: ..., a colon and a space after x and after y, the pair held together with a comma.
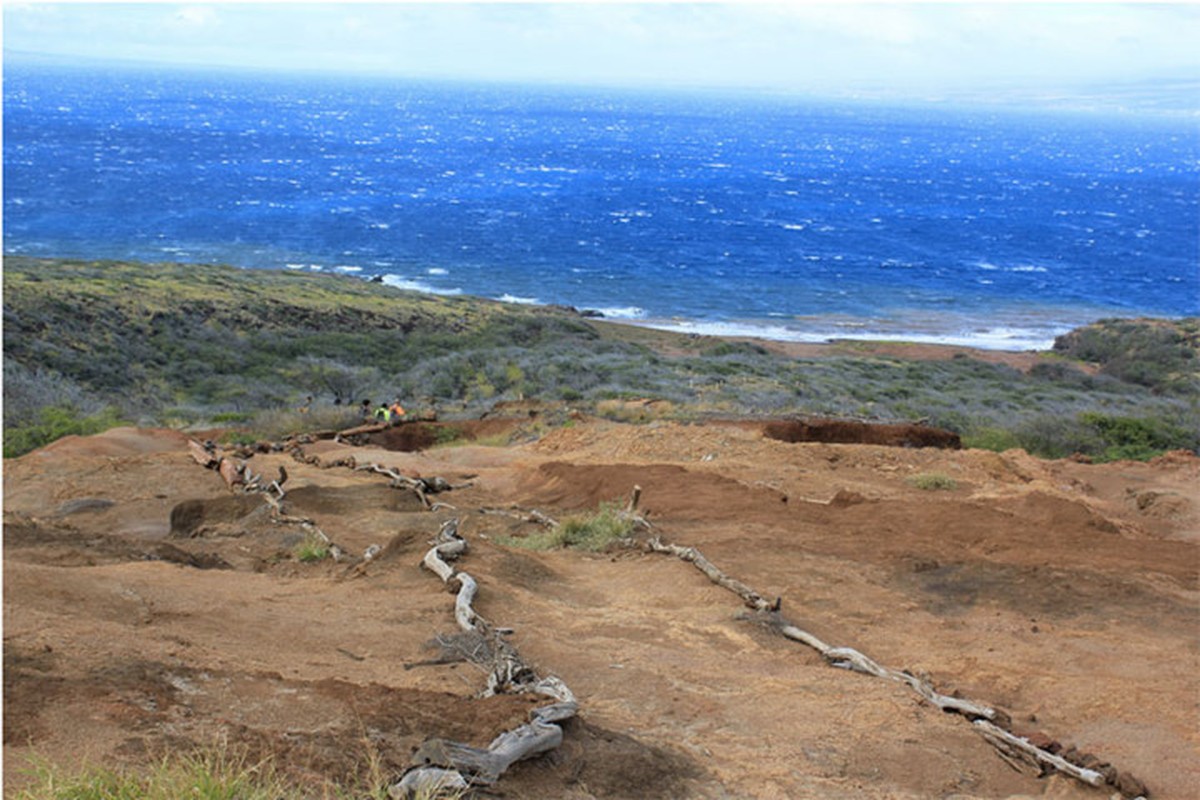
x: 676, y: 342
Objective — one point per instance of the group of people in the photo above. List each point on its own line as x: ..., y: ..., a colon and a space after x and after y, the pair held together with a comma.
x: 387, y: 414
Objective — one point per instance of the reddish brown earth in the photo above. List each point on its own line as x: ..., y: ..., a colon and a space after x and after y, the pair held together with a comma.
x: 1064, y: 593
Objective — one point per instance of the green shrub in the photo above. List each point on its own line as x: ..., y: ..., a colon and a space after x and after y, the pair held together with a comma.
x: 592, y: 532
x: 1104, y: 437
x: 232, y: 416
x: 933, y: 481
x: 314, y: 548
x: 447, y: 434
x: 1136, y: 438
x: 595, y: 531
x: 55, y: 422
x: 1156, y: 353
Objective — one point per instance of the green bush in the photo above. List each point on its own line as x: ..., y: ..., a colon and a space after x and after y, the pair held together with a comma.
x: 55, y: 422
x: 592, y: 532
x: 313, y: 548
x: 1136, y: 438
x: 1104, y: 437
x: 995, y: 439
x: 1155, y: 353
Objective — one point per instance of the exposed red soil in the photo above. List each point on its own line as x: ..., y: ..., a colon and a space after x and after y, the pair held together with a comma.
x: 836, y: 431
x: 148, y: 609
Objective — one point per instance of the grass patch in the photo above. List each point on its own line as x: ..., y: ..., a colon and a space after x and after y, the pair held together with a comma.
x: 215, y: 773
x: 591, y: 532
x: 314, y: 548
x: 209, y: 775
x: 933, y: 482
x: 276, y: 424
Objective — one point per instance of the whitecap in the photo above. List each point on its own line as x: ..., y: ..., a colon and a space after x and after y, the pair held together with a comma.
x: 512, y: 298
x: 998, y: 338
x: 347, y: 268
x: 437, y: 271
x: 621, y: 312
x: 401, y: 282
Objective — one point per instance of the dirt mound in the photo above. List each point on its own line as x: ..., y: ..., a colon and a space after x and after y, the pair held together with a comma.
x: 410, y: 437
x: 668, y: 490
x: 836, y: 431
x: 115, y: 443
x: 148, y: 609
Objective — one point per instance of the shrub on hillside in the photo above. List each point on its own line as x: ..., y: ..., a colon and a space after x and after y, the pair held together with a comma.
x: 1154, y: 353
x: 55, y: 422
x: 1104, y: 437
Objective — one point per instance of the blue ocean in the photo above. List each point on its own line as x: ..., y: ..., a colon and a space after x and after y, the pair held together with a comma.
x: 773, y: 216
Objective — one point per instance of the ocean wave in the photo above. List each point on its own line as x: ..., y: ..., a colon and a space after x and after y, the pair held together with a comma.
x: 621, y: 312
x: 525, y: 301
x: 1000, y: 337
x: 400, y: 282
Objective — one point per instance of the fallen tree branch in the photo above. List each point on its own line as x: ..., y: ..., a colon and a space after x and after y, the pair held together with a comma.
x: 995, y: 735
x: 440, y: 764
x: 523, y: 514
x: 992, y: 724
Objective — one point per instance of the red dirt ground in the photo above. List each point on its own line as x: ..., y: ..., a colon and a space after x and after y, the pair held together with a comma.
x: 1064, y: 593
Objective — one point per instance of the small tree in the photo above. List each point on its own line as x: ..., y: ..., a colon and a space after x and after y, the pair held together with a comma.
x: 319, y: 376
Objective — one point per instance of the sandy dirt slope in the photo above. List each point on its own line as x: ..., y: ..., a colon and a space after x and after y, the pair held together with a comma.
x: 147, y: 608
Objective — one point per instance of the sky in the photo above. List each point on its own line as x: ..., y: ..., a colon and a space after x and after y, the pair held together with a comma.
x: 822, y: 48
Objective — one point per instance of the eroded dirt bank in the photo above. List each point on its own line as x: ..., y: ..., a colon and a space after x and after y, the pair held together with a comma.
x: 1064, y: 593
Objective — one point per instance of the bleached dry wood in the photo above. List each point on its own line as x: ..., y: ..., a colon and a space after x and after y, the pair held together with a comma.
x: 201, y: 455
x: 486, y: 765
x: 358, y: 430
x: 439, y: 763
x: 993, y: 732
x: 850, y: 658
x: 695, y: 557
x: 398, y: 481
x: 634, y: 497
x: 429, y: 781
x: 231, y: 472
x: 985, y: 719
x: 523, y: 514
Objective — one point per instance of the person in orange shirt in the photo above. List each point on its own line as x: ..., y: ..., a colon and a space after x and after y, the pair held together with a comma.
x: 397, y: 412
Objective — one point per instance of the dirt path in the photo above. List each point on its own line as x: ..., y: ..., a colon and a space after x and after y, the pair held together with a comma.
x: 1064, y: 593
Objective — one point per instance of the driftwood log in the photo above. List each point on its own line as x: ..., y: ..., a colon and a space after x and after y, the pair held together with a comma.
x: 202, y: 455
x: 993, y: 725
x: 440, y: 764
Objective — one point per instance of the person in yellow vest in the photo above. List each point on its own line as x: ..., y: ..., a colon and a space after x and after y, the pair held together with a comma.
x: 397, y: 412
x: 382, y: 414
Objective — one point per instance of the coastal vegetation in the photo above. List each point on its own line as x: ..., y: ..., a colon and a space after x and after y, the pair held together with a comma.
x: 91, y: 344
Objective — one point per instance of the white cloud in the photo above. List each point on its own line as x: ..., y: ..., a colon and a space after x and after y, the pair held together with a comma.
x: 826, y: 47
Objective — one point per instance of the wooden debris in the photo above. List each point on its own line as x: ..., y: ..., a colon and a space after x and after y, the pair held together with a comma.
x: 232, y: 472
x: 439, y: 764
x: 360, y: 430
x: 523, y: 514
x: 991, y: 723
x: 202, y: 456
